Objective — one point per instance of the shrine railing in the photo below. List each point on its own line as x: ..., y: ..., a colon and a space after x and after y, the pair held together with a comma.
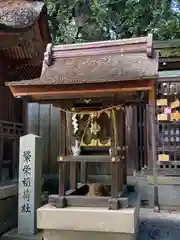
x: 11, y: 129
x: 78, y: 196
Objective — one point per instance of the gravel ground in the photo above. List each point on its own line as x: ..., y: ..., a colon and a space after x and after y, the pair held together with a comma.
x: 159, y: 226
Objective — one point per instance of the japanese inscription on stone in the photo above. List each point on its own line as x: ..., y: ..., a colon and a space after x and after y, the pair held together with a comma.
x: 25, y: 208
x: 30, y: 165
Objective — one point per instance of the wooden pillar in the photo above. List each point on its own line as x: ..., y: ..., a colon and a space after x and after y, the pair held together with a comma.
x: 84, y: 165
x: 69, y: 143
x: 14, y: 163
x: 62, y: 153
x: 145, y: 135
x: 116, y: 164
x: 124, y: 147
x: 115, y: 179
x: 114, y: 148
x: 25, y: 115
x: 152, y: 95
x: 128, y: 129
x: 73, y: 175
x: 149, y: 109
x: 62, y: 178
x: 152, y: 156
x: 149, y: 143
x: 134, y: 138
x: 83, y: 172
x: 121, y: 148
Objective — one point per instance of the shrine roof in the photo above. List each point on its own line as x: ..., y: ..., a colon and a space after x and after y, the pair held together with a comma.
x: 97, y: 62
x: 96, y: 68
x: 19, y: 14
x: 107, y: 61
x: 35, y: 81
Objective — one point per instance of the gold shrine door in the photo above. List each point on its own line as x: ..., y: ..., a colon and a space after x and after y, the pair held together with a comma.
x: 93, y: 129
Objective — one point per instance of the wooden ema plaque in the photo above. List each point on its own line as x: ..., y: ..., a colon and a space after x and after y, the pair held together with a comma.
x: 175, y: 104
x: 175, y: 116
x: 163, y: 158
x: 162, y: 117
x: 161, y: 102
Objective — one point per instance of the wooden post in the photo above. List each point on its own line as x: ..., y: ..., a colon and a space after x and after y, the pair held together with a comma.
x: 62, y: 179
x: 149, y: 109
x: 135, y: 139
x: 122, y: 150
x: 154, y: 156
x: 149, y: 143
x: 69, y: 142
x: 114, y: 165
x: 114, y: 201
x: 115, y: 179
x: 128, y: 127
x: 83, y: 172
x: 145, y: 135
x: 62, y: 154
x: 14, y: 165
x: 73, y: 175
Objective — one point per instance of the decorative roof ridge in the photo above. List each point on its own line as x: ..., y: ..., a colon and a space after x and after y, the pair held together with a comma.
x: 121, y: 46
x: 47, y: 58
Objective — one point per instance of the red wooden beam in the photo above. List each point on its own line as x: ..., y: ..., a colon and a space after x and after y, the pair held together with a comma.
x: 51, y: 90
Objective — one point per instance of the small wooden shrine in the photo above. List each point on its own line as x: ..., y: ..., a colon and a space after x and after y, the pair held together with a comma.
x: 91, y: 84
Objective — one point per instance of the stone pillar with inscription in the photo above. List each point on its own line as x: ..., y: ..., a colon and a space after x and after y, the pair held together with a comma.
x: 30, y: 167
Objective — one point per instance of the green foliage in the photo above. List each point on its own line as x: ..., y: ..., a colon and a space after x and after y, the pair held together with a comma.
x: 91, y: 20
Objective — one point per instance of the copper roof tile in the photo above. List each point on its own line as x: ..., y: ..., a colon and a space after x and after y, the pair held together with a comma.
x: 106, y: 68
x: 34, y: 81
x: 106, y: 61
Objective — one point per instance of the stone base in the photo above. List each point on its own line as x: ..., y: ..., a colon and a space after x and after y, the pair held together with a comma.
x: 80, y: 235
x: 89, y: 222
x: 13, y: 235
